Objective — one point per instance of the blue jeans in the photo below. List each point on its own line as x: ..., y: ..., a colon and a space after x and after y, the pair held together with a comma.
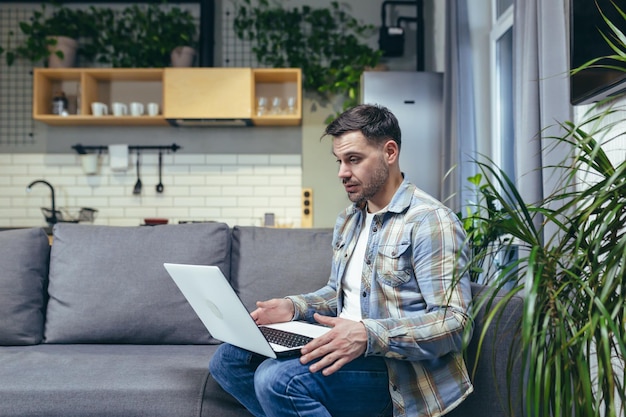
x: 285, y: 387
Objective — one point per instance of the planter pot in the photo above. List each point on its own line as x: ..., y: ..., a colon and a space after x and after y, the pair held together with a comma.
x: 68, y: 47
x: 182, y: 56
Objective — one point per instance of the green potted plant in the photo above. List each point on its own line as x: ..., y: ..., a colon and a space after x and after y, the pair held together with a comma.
x: 179, y: 35
x: 144, y: 36
x: 53, y: 37
x: 570, y: 268
x: 482, y: 222
x: 326, y: 43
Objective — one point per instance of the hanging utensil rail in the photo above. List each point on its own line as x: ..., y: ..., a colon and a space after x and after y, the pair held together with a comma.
x: 83, y: 150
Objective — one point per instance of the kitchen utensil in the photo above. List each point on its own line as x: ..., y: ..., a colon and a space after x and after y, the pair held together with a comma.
x: 159, y: 186
x: 137, y: 189
x: 87, y: 214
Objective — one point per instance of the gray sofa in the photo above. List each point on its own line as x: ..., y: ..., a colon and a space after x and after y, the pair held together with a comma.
x: 93, y: 325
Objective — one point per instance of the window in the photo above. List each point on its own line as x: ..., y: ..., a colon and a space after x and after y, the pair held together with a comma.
x: 502, y: 129
x: 502, y: 6
x: 501, y: 65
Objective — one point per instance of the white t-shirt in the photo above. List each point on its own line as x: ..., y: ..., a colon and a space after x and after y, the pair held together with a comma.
x: 351, y: 284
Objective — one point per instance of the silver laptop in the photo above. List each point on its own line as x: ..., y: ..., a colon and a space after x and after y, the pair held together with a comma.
x: 227, y: 319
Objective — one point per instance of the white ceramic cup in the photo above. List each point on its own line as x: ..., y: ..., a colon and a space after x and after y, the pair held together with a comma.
x: 119, y: 109
x: 136, y: 109
x: 99, y: 109
x: 153, y: 109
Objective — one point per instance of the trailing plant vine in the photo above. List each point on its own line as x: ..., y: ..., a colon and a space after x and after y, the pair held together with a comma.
x: 326, y: 43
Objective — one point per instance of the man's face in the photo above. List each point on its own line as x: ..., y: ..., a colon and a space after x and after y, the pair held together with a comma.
x: 363, y: 169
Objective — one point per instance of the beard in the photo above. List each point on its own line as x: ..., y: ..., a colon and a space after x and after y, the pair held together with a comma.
x: 368, y: 190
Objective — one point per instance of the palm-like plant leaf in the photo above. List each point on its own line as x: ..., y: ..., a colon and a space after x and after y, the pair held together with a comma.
x: 572, y: 334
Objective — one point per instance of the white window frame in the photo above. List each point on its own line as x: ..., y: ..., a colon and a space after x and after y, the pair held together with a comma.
x: 499, y: 26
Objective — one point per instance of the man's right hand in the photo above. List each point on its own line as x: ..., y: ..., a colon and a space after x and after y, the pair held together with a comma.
x: 276, y: 310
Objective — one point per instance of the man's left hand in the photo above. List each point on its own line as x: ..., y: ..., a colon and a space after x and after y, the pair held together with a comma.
x: 346, y: 341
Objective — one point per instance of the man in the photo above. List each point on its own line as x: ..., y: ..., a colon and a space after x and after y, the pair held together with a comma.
x: 395, y: 302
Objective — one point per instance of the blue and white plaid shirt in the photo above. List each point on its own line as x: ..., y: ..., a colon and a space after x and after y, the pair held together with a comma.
x: 414, y: 311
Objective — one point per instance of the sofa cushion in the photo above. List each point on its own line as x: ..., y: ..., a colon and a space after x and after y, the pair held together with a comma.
x: 496, y: 373
x: 24, y: 256
x: 95, y: 380
x: 268, y: 263
x: 108, y: 284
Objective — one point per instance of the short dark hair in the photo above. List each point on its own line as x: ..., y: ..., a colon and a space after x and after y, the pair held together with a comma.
x: 375, y: 122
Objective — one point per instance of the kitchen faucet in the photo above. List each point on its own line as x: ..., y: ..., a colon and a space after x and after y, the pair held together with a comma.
x: 53, y: 217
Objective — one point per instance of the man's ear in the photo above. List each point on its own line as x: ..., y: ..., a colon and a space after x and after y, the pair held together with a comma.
x: 391, y: 151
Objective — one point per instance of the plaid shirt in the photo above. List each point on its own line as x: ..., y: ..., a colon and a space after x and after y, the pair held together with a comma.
x: 414, y: 313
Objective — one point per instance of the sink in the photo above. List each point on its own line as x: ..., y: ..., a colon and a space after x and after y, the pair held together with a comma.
x: 69, y: 215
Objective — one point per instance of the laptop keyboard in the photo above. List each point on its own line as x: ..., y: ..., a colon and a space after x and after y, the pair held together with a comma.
x: 283, y: 338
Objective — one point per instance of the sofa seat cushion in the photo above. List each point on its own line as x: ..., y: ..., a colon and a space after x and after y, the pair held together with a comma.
x: 24, y: 257
x: 108, y: 284
x: 103, y: 380
x: 268, y: 263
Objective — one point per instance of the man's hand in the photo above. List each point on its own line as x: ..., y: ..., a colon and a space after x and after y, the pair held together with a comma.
x: 276, y: 310
x: 345, y: 342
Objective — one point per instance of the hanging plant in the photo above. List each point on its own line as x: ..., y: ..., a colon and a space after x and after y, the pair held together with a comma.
x: 326, y: 43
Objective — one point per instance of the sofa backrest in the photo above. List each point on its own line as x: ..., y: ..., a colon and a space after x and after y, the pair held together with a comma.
x: 108, y: 285
x: 497, y: 376
x: 269, y: 263
x: 24, y: 256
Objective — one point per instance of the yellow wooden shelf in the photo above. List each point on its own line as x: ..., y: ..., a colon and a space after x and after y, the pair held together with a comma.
x: 283, y: 83
x: 277, y: 120
x: 78, y: 120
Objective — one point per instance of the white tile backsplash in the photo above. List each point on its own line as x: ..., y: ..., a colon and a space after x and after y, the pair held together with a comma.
x: 235, y: 189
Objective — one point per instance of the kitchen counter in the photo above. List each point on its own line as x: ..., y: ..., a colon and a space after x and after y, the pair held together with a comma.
x: 48, y: 229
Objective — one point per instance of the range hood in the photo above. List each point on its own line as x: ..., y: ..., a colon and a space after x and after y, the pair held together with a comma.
x: 210, y: 122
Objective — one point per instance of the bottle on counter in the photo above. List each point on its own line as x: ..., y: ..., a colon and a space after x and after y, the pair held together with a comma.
x: 59, y: 103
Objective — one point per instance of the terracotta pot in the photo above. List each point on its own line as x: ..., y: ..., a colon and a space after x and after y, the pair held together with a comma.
x: 182, y: 56
x: 66, y: 45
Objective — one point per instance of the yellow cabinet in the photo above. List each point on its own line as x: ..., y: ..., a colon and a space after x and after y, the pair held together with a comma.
x: 180, y: 93
x: 207, y: 93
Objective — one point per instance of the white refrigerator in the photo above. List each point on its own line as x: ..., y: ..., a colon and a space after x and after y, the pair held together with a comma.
x: 416, y: 99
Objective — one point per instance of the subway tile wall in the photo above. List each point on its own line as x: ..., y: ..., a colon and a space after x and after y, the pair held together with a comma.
x: 235, y: 189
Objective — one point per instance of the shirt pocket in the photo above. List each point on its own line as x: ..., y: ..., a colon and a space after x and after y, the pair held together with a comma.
x: 339, y: 250
x: 394, y: 266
